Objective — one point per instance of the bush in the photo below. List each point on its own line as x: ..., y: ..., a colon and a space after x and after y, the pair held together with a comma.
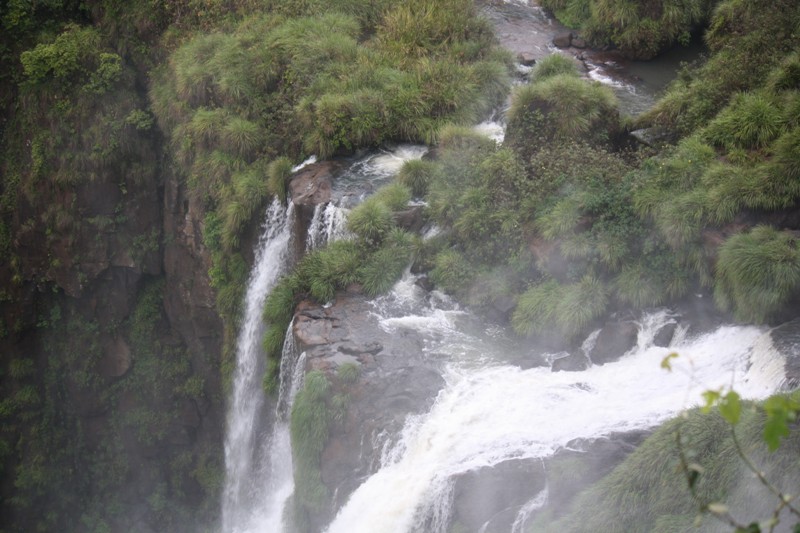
x: 558, y: 109
x: 394, y: 196
x: 751, y: 121
x: 554, y: 65
x: 416, y: 174
x: 451, y: 272
x: 371, y: 221
x: 757, y: 273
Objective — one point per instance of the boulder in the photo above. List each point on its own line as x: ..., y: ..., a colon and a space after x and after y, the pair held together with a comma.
x: 313, y: 184
x: 578, y: 42
x: 786, y: 340
x: 495, y: 494
x: 527, y: 59
x: 116, y: 359
x: 562, y: 39
x: 574, y: 362
x: 614, y: 340
x: 663, y: 336
x: 584, y: 461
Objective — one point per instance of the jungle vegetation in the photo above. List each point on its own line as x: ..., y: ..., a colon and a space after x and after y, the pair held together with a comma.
x: 564, y: 219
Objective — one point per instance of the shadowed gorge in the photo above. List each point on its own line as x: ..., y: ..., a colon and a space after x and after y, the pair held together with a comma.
x: 398, y: 267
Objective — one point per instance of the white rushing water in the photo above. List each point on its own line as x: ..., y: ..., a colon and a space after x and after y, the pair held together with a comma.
x: 248, y: 444
x: 490, y: 413
x: 327, y: 225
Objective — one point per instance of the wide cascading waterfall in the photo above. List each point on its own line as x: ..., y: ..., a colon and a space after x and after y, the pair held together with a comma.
x: 247, y: 443
x: 490, y: 413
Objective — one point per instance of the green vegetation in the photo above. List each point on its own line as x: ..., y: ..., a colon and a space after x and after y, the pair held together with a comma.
x: 640, y: 30
x: 647, y: 493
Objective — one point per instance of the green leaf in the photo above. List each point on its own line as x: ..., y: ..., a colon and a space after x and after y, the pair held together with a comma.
x: 752, y: 528
x: 730, y: 407
x: 711, y: 397
x: 665, y: 363
x: 780, y: 412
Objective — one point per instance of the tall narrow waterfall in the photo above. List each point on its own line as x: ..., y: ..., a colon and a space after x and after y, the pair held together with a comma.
x: 327, y: 225
x: 247, y: 442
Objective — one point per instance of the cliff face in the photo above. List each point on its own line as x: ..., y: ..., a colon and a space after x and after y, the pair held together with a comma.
x: 112, y: 405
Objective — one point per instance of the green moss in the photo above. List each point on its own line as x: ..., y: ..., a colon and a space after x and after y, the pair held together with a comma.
x: 310, y: 422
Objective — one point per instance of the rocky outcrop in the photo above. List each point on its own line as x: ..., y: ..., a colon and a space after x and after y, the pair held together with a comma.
x: 488, y: 500
x: 786, y: 339
x: 613, y: 341
x: 395, y: 380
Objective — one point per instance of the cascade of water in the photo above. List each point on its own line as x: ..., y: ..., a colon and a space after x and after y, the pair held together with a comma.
x: 489, y: 414
x: 327, y: 225
x: 246, y: 442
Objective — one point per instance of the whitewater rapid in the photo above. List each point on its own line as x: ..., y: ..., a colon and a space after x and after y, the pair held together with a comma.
x: 490, y: 413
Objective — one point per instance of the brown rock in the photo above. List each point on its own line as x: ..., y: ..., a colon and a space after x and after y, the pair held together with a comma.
x: 577, y: 42
x: 313, y: 184
x: 614, y: 340
x: 116, y: 359
x: 562, y: 39
x: 526, y: 58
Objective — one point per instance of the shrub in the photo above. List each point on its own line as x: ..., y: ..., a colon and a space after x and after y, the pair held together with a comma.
x: 451, y: 272
x: 383, y: 268
x: 751, y: 121
x: 278, y: 173
x: 371, y: 221
x: 416, y: 174
x: 561, y: 108
x: 554, y: 65
x: 395, y: 196
x: 757, y: 273
x: 536, y: 308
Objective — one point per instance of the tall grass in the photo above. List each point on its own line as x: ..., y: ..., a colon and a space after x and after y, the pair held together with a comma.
x: 757, y: 273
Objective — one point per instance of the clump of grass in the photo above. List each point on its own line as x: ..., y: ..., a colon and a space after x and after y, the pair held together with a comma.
x: 395, y: 196
x: 451, y: 272
x: 383, y: 268
x: 278, y: 173
x: 371, y: 221
x: 757, y: 273
x: 751, y: 121
x: 348, y: 373
x: 554, y: 65
x: 416, y: 174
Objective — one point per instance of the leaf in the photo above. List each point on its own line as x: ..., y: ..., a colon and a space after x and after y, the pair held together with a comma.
x: 775, y: 428
x: 780, y: 412
x: 711, y: 397
x: 752, y: 528
x: 665, y: 363
x: 730, y: 407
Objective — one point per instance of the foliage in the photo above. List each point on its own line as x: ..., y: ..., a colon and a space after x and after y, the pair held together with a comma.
x: 554, y: 65
x: 561, y: 108
x: 310, y: 422
x: 416, y: 174
x: 757, y: 273
x: 639, y: 29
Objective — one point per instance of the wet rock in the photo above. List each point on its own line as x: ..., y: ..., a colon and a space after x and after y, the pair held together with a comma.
x: 663, y: 336
x: 313, y: 184
x: 577, y: 42
x: 495, y: 494
x: 786, y: 339
x: 116, y: 359
x: 425, y: 283
x: 575, y: 362
x: 562, y: 39
x: 614, y: 340
x: 411, y: 219
x: 396, y: 379
x: 527, y: 59
x: 584, y: 461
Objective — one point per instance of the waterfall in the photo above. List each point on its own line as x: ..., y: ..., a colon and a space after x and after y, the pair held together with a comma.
x: 490, y: 413
x: 247, y: 441
x: 327, y: 225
